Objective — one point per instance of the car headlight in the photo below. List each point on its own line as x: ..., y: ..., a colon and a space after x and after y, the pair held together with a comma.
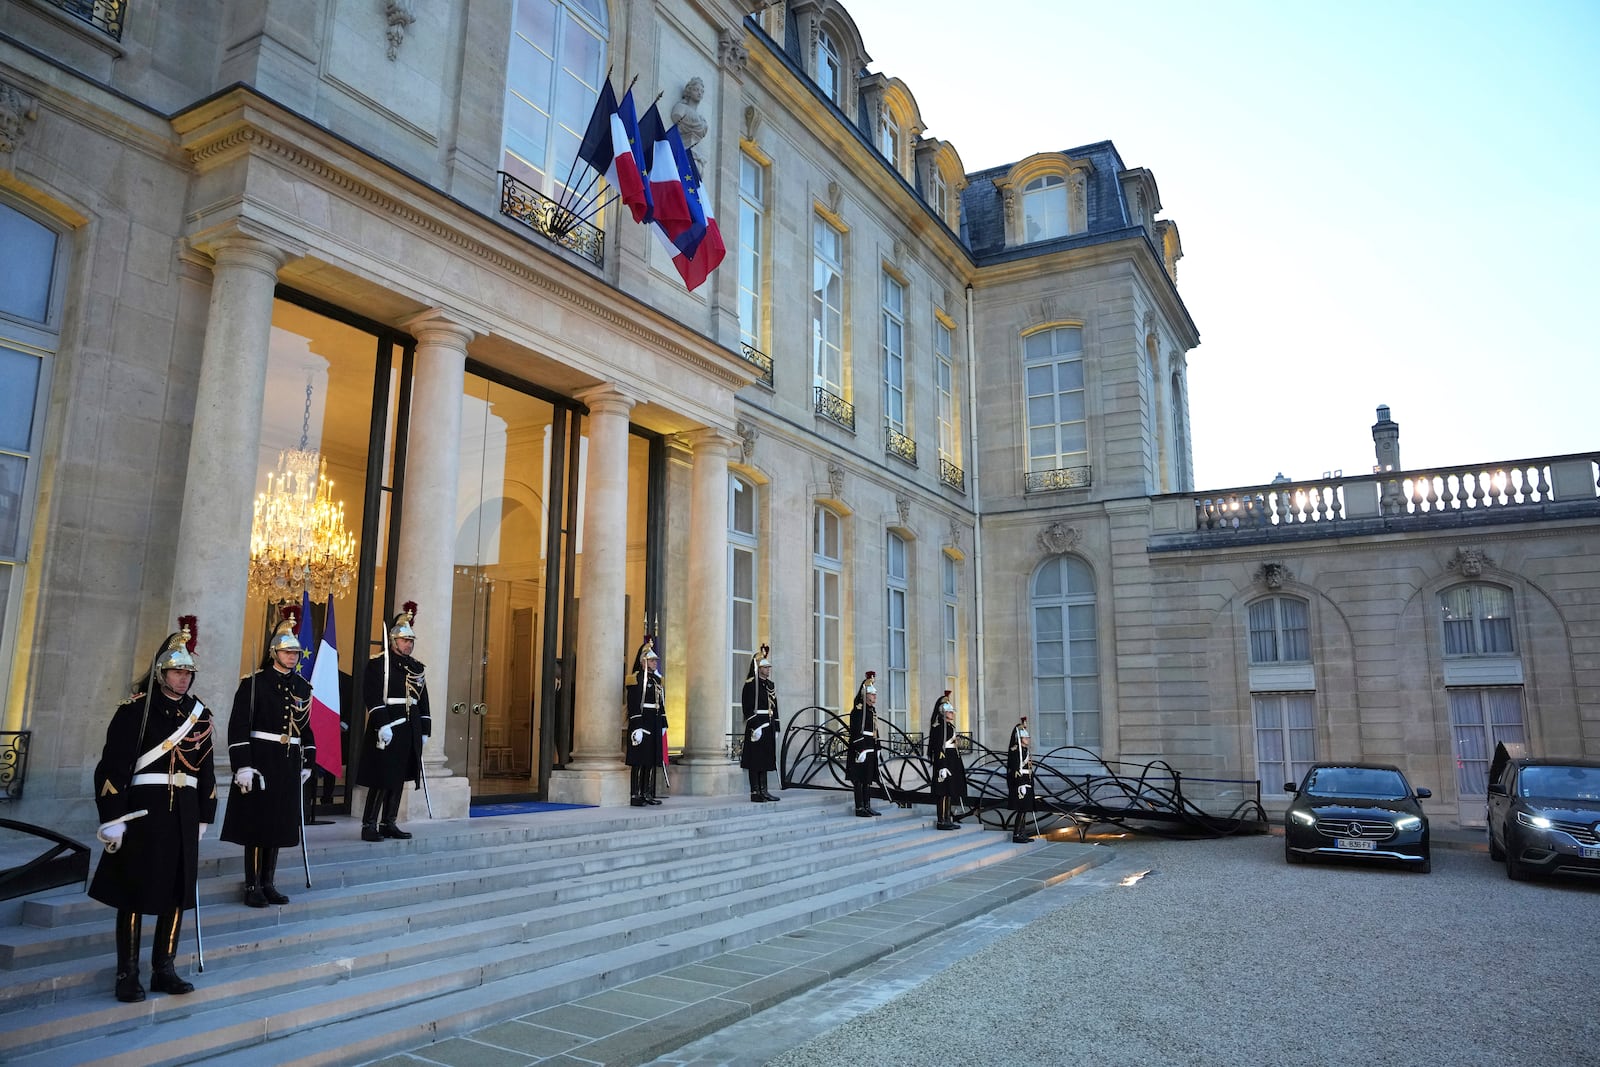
x: 1304, y: 818
x: 1538, y: 822
x: 1408, y: 823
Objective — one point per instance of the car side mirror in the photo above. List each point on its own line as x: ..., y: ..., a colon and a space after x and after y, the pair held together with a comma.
x: 1497, y: 789
x: 1289, y: 787
x: 1424, y: 794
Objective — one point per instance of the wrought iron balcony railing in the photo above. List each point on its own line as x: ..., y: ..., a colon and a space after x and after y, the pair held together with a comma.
x: 952, y: 475
x: 836, y: 409
x: 1060, y: 478
x: 760, y: 360
x: 103, y: 15
x: 13, y: 762
x: 899, y: 445
x: 549, y: 219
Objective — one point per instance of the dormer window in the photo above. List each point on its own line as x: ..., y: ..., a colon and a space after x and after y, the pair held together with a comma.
x: 1044, y: 208
x: 889, y: 138
x: 830, y: 69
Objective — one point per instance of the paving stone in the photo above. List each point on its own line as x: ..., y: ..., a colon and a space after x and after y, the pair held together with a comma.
x: 527, y: 1037
x: 466, y: 1052
x: 585, y: 1022
x: 632, y: 1002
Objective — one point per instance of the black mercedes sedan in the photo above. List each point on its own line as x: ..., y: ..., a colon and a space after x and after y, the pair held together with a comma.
x: 1544, y: 814
x: 1363, y: 811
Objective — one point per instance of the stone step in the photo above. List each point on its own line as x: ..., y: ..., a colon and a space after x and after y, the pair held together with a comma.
x: 367, y: 1014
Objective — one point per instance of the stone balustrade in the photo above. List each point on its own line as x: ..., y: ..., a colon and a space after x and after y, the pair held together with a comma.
x: 1329, y: 507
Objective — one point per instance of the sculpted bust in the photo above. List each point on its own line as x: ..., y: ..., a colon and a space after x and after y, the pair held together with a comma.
x: 686, y: 113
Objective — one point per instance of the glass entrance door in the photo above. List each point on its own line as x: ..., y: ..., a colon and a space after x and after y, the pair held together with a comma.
x: 498, y: 672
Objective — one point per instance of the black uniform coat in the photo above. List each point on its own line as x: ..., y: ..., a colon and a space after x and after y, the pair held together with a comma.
x: 647, y: 711
x: 154, y: 870
x: 943, y: 756
x: 279, y: 705
x: 1019, y: 772
x: 760, y: 701
x: 863, y: 738
x: 401, y: 759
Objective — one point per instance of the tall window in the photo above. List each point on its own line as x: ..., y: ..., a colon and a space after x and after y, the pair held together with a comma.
x: 742, y: 578
x: 1181, y: 449
x: 553, y: 72
x: 830, y: 68
x: 944, y: 377
x: 894, y: 353
x: 889, y: 137
x: 1477, y: 620
x: 895, y: 612
x: 827, y: 579
x: 827, y: 306
x: 939, y: 194
x: 29, y: 327
x: 949, y: 577
x: 1044, y: 208
x: 1479, y: 720
x: 1058, y: 430
x: 1279, y: 632
x: 1066, y: 672
x: 1286, y: 738
x: 752, y: 235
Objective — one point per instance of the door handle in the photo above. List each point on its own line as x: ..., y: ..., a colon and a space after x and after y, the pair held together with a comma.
x: 480, y: 709
x: 457, y: 708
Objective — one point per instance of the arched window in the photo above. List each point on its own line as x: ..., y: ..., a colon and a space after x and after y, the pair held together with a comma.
x: 1066, y: 656
x: 827, y: 607
x: 1058, y: 428
x: 30, y: 276
x: 1477, y: 620
x: 743, y: 607
x: 830, y: 68
x: 553, y: 72
x: 1279, y: 631
x: 1044, y: 208
x: 897, y: 581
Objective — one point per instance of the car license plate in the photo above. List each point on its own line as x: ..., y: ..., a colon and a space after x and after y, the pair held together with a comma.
x: 1589, y: 853
x: 1356, y: 843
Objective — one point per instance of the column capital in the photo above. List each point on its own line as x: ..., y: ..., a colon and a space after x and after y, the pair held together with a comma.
x: 242, y: 243
x: 607, y: 398
x: 709, y: 440
x: 444, y: 326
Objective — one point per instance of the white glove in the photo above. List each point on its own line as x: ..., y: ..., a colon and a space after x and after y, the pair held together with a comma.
x: 111, y: 834
x: 944, y: 772
x: 861, y: 757
x: 638, y: 737
x: 1022, y: 791
x: 385, y: 735
x: 424, y: 740
x: 203, y: 828
x: 305, y: 775
x: 248, y: 778
x: 759, y: 730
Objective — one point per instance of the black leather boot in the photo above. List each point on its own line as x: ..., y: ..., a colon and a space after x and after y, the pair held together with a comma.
x: 1019, y: 831
x: 945, y: 822
x: 391, y: 808
x: 636, y: 787
x: 129, y: 927
x: 163, y: 977
x: 369, y: 815
x: 253, y: 859
x: 765, y: 795
x: 650, y: 786
x: 862, y: 811
x: 269, y: 876
x: 755, y: 788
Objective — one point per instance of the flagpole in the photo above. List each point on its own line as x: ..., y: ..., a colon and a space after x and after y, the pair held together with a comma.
x: 573, y: 166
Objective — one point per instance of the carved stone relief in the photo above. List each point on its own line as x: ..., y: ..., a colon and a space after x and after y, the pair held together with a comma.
x: 752, y: 122
x: 955, y: 533
x: 835, y: 196
x: 691, y: 124
x: 835, y: 481
x: 1058, y: 538
x: 398, y: 14
x: 16, y: 109
x: 1273, y: 575
x: 902, y: 508
x: 1469, y: 562
x: 732, y: 55
x: 748, y: 433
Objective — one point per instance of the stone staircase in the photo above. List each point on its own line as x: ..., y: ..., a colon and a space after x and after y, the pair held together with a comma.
x: 470, y: 922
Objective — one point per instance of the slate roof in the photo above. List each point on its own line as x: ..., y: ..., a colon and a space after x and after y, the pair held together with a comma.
x: 982, y: 208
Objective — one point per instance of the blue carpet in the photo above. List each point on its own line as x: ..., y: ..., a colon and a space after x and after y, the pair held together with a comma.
x: 521, y: 807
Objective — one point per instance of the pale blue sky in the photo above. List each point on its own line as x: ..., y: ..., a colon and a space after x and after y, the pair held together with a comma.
x: 1380, y: 203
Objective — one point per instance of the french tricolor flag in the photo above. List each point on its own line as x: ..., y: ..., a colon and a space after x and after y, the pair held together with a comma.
x: 668, y: 202
x: 325, y: 716
x: 698, y: 250
x: 611, y: 146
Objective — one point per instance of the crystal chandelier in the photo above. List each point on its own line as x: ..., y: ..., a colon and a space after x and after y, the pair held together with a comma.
x: 297, y: 538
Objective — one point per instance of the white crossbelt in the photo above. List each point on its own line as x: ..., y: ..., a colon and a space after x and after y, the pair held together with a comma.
x: 282, y: 739
x: 177, y: 781
x: 397, y: 700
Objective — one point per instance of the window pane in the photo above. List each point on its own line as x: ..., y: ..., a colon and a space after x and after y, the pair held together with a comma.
x: 19, y: 385
x: 1047, y: 583
x: 13, y: 473
x: 27, y: 266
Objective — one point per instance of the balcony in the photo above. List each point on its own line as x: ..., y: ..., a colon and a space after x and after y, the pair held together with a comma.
x: 952, y: 475
x: 760, y: 360
x: 1387, y: 501
x: 551, y: 220
x: 836, y: 409
x: 1060, y: 478
x: 103, y: 15
x: 899, y: 445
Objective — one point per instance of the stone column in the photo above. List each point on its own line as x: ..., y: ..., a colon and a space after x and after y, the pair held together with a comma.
x: 422, y: 570
x: 595, y: 774
x: 704, y: 768
x: 213, y: 545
